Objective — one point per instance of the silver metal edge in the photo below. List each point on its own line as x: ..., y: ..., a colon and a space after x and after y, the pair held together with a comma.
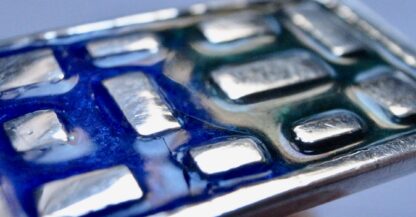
x: 384, y: 39
x: 313, y: 185
x: 150, y: 21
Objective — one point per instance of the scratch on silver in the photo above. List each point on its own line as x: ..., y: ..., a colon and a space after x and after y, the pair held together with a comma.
x: 141, y: 104
x: 327, y: 125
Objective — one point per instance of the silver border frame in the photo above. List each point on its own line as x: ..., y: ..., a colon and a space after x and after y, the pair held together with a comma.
x: 148, y: 21
x: 318, y: 182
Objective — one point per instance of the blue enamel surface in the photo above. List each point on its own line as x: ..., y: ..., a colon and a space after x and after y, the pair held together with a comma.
x: 89, y: 107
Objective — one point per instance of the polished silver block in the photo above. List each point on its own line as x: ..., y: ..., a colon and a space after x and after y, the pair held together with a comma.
x: 227, y: 155
x: 322, y: 30
x: 392, y: 91
x: 35, y: 130
x: 141, y: 104
x: 81, y: 194
x: 227, y: 29
x: 327, y: 126
x: 132, y: 49
x: 33, y: 67
x: 236, y: 33
x: 274, y: 73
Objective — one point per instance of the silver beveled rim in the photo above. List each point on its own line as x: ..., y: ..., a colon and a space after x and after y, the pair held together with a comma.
x: 315, y: 184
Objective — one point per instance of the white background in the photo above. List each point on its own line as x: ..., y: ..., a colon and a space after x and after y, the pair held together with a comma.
x: 397, y: 198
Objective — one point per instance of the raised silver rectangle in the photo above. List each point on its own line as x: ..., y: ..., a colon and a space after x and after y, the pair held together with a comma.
x: 236, y: 33
x: 392, y: 91
x: 227, y: 155
x: 231, y: 28
x: 327, y: 126
x: 273, y: 73
x: 81, y: 194
x: 33, y: 67
x: 141, y: 104
x: 132, y: 49
x: 309, y: 19
x: 35, y: 130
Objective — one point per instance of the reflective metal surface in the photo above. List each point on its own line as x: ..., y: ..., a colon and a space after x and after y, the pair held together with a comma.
x: 245, y: 27
x: 323, y: 31
x: 271, y: 74
x: 35, y: 130
x: 29, y: 68
x: 227, y: 155
x: 391, y: 91
x: 391, y: 45
x: 81, y: 194
x: 335, y: 124
x: 133, y: 49
x: 237, y: 33
x: 315, y: 184
x: 141, y: 104
x: 153, y: 103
